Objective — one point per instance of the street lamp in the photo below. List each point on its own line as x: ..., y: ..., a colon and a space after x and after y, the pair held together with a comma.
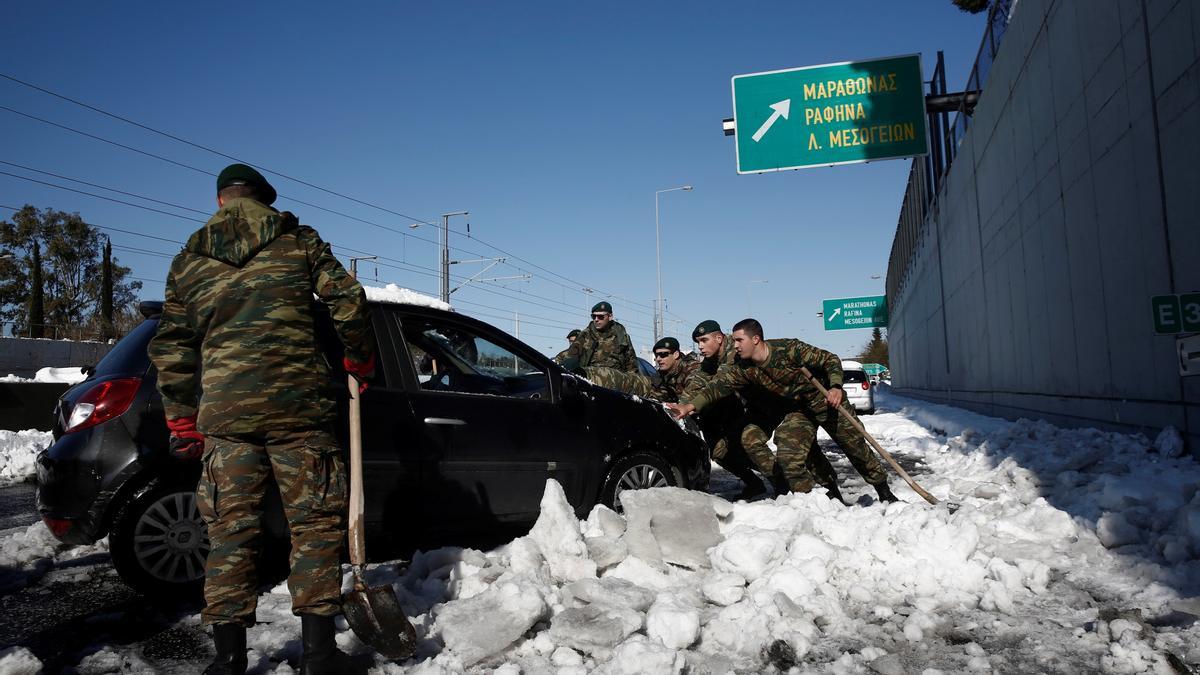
x: 749, y: 306
x: 658, y: 260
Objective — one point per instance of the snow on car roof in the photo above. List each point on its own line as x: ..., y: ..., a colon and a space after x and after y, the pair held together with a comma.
x: 397, y: 295
x: 851, y: 364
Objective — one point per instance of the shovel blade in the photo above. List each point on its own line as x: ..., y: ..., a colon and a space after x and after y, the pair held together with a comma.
x: 377, y: 619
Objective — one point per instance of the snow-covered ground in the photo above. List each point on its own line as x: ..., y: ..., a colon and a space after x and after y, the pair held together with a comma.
x: 1053, y: 550
x: 18, y: 452
x: 64, y: 375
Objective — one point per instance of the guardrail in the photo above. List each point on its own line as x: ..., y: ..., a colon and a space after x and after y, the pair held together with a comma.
x: 927, y: 174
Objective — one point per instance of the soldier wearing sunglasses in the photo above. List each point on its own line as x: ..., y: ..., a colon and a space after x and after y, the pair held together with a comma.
x: 603, y: 344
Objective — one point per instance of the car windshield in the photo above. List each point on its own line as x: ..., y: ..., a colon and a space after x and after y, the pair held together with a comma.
x: 129, y: 356
x: 853, y: 376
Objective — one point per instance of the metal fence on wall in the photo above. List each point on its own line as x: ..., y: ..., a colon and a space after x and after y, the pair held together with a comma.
x: 928, y: 173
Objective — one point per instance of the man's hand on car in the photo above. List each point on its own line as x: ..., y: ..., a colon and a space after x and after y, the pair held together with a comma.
x: 680, y: 410
x: 186, y: 443
x: 360, y: 371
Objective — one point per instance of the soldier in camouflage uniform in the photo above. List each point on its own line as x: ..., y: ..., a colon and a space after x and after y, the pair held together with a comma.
x: 769, y: 371
x: 738, y: 438
x: 243, y: 383
x: 603, y: 344
x: 570, y: 340
x: 674, y: 372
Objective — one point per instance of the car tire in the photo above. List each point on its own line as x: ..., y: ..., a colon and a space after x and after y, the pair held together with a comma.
x: 158, y: 542
x: 634, y: 472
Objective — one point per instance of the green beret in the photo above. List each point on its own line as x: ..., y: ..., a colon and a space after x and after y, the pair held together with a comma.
x: 707, y: 326
x: 574, y: 333
x: 602, y: 307
x: 240, y: 174
x: 668, y: 343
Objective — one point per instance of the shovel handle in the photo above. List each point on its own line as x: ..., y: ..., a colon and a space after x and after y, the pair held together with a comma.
x: 875, y: 444
x: 358, y: 544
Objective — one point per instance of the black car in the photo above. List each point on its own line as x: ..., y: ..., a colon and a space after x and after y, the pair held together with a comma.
x: 462, y: 426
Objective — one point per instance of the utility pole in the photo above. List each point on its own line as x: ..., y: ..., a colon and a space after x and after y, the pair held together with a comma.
x: 446, y: 253
x: 354, y: 263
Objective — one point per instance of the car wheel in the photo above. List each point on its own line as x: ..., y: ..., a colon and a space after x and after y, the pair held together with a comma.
x: 158, y: 541
x: 637, y: 471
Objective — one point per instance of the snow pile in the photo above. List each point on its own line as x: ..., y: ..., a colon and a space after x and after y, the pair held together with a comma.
x: 27, y: 554
x: 1045, y: 538
x: 398, y: 295
x: 1052, y: 551
x: 19, y: 661
x: 64, y: 375
x: 18, y: 454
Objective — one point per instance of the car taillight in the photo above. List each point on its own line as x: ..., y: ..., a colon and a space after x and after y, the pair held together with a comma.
x: 866, y: 386
x: 57, y: 525
x: 103, y: 402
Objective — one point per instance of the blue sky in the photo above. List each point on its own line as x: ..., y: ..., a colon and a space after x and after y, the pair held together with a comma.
x: 552, y: 123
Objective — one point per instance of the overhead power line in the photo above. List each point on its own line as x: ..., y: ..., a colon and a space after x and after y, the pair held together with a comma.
x: 575, y: 285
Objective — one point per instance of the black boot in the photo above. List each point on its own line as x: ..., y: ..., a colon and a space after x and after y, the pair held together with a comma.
x: 779, y: 482
x: 754, y: 487
x: 835, y: 494
x: 321, y: 654
x: 230, y: 642
x: 885, y: 493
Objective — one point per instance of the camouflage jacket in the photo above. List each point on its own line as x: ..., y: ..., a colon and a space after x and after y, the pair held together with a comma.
x: 609, y: 348
x: 777, y: 383
x: 708, y: 368
x: 236, y: 343
x: 675, y: 381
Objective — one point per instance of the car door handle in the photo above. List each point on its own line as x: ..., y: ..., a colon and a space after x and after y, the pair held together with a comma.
x: 445, y: 421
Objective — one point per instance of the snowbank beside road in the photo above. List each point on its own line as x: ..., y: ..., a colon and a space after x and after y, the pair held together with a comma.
x: 64, y: 375
x: 18, y: 453
x: 1071, y: 551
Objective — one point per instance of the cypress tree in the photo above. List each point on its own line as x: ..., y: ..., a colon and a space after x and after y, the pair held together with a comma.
x: 37, y: 294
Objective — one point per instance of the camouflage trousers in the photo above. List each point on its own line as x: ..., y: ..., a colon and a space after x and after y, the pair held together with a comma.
x: 796, y: 434
x: 308, y: 468
x: 799, y: 470
x: 628, y: 383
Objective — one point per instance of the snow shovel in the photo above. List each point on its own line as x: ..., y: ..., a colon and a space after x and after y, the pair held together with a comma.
x: 374, y: 613
x: 875, y: 444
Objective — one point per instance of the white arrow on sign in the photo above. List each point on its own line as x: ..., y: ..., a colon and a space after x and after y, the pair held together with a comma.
x: 781, y: 110
x: 835, y: 313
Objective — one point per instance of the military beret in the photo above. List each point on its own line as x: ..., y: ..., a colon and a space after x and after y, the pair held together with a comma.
x: 668, y: 343
x: 574, y: 333
x: 707, y: 326
x: 240, y: 174
x: 602, y: 307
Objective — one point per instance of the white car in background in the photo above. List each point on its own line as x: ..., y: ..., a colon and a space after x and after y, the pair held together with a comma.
x: 857, y: 386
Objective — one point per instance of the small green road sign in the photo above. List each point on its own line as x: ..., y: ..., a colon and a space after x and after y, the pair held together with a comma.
x: 1166, y: 314
x: 846, y: 313
x: 1189, y: 308
x: 837, y: 113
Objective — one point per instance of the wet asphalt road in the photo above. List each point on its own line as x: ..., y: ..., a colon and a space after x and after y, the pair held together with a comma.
x: 81, y: 605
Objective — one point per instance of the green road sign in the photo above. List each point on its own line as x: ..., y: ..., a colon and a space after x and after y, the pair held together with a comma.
x: 1176, y: 313
x: 838, y: 113
x: 1189, y: 308
x: 846, y: 313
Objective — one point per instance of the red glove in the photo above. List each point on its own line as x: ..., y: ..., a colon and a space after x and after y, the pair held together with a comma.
x: 360, y: 371
x: 186, y: 442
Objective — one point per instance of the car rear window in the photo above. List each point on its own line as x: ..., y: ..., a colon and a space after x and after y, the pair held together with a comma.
x: 129, y: 356
x: 853, y: 376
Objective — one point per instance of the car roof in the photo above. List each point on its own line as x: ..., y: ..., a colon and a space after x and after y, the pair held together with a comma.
x: 855, y: 365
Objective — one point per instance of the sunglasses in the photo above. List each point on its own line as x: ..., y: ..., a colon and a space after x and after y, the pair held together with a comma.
x: 662, y: 355
x: 599, y: 316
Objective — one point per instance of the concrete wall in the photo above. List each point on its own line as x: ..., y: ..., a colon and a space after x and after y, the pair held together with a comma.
x: 1070, y: 204
x: 25, y: 356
